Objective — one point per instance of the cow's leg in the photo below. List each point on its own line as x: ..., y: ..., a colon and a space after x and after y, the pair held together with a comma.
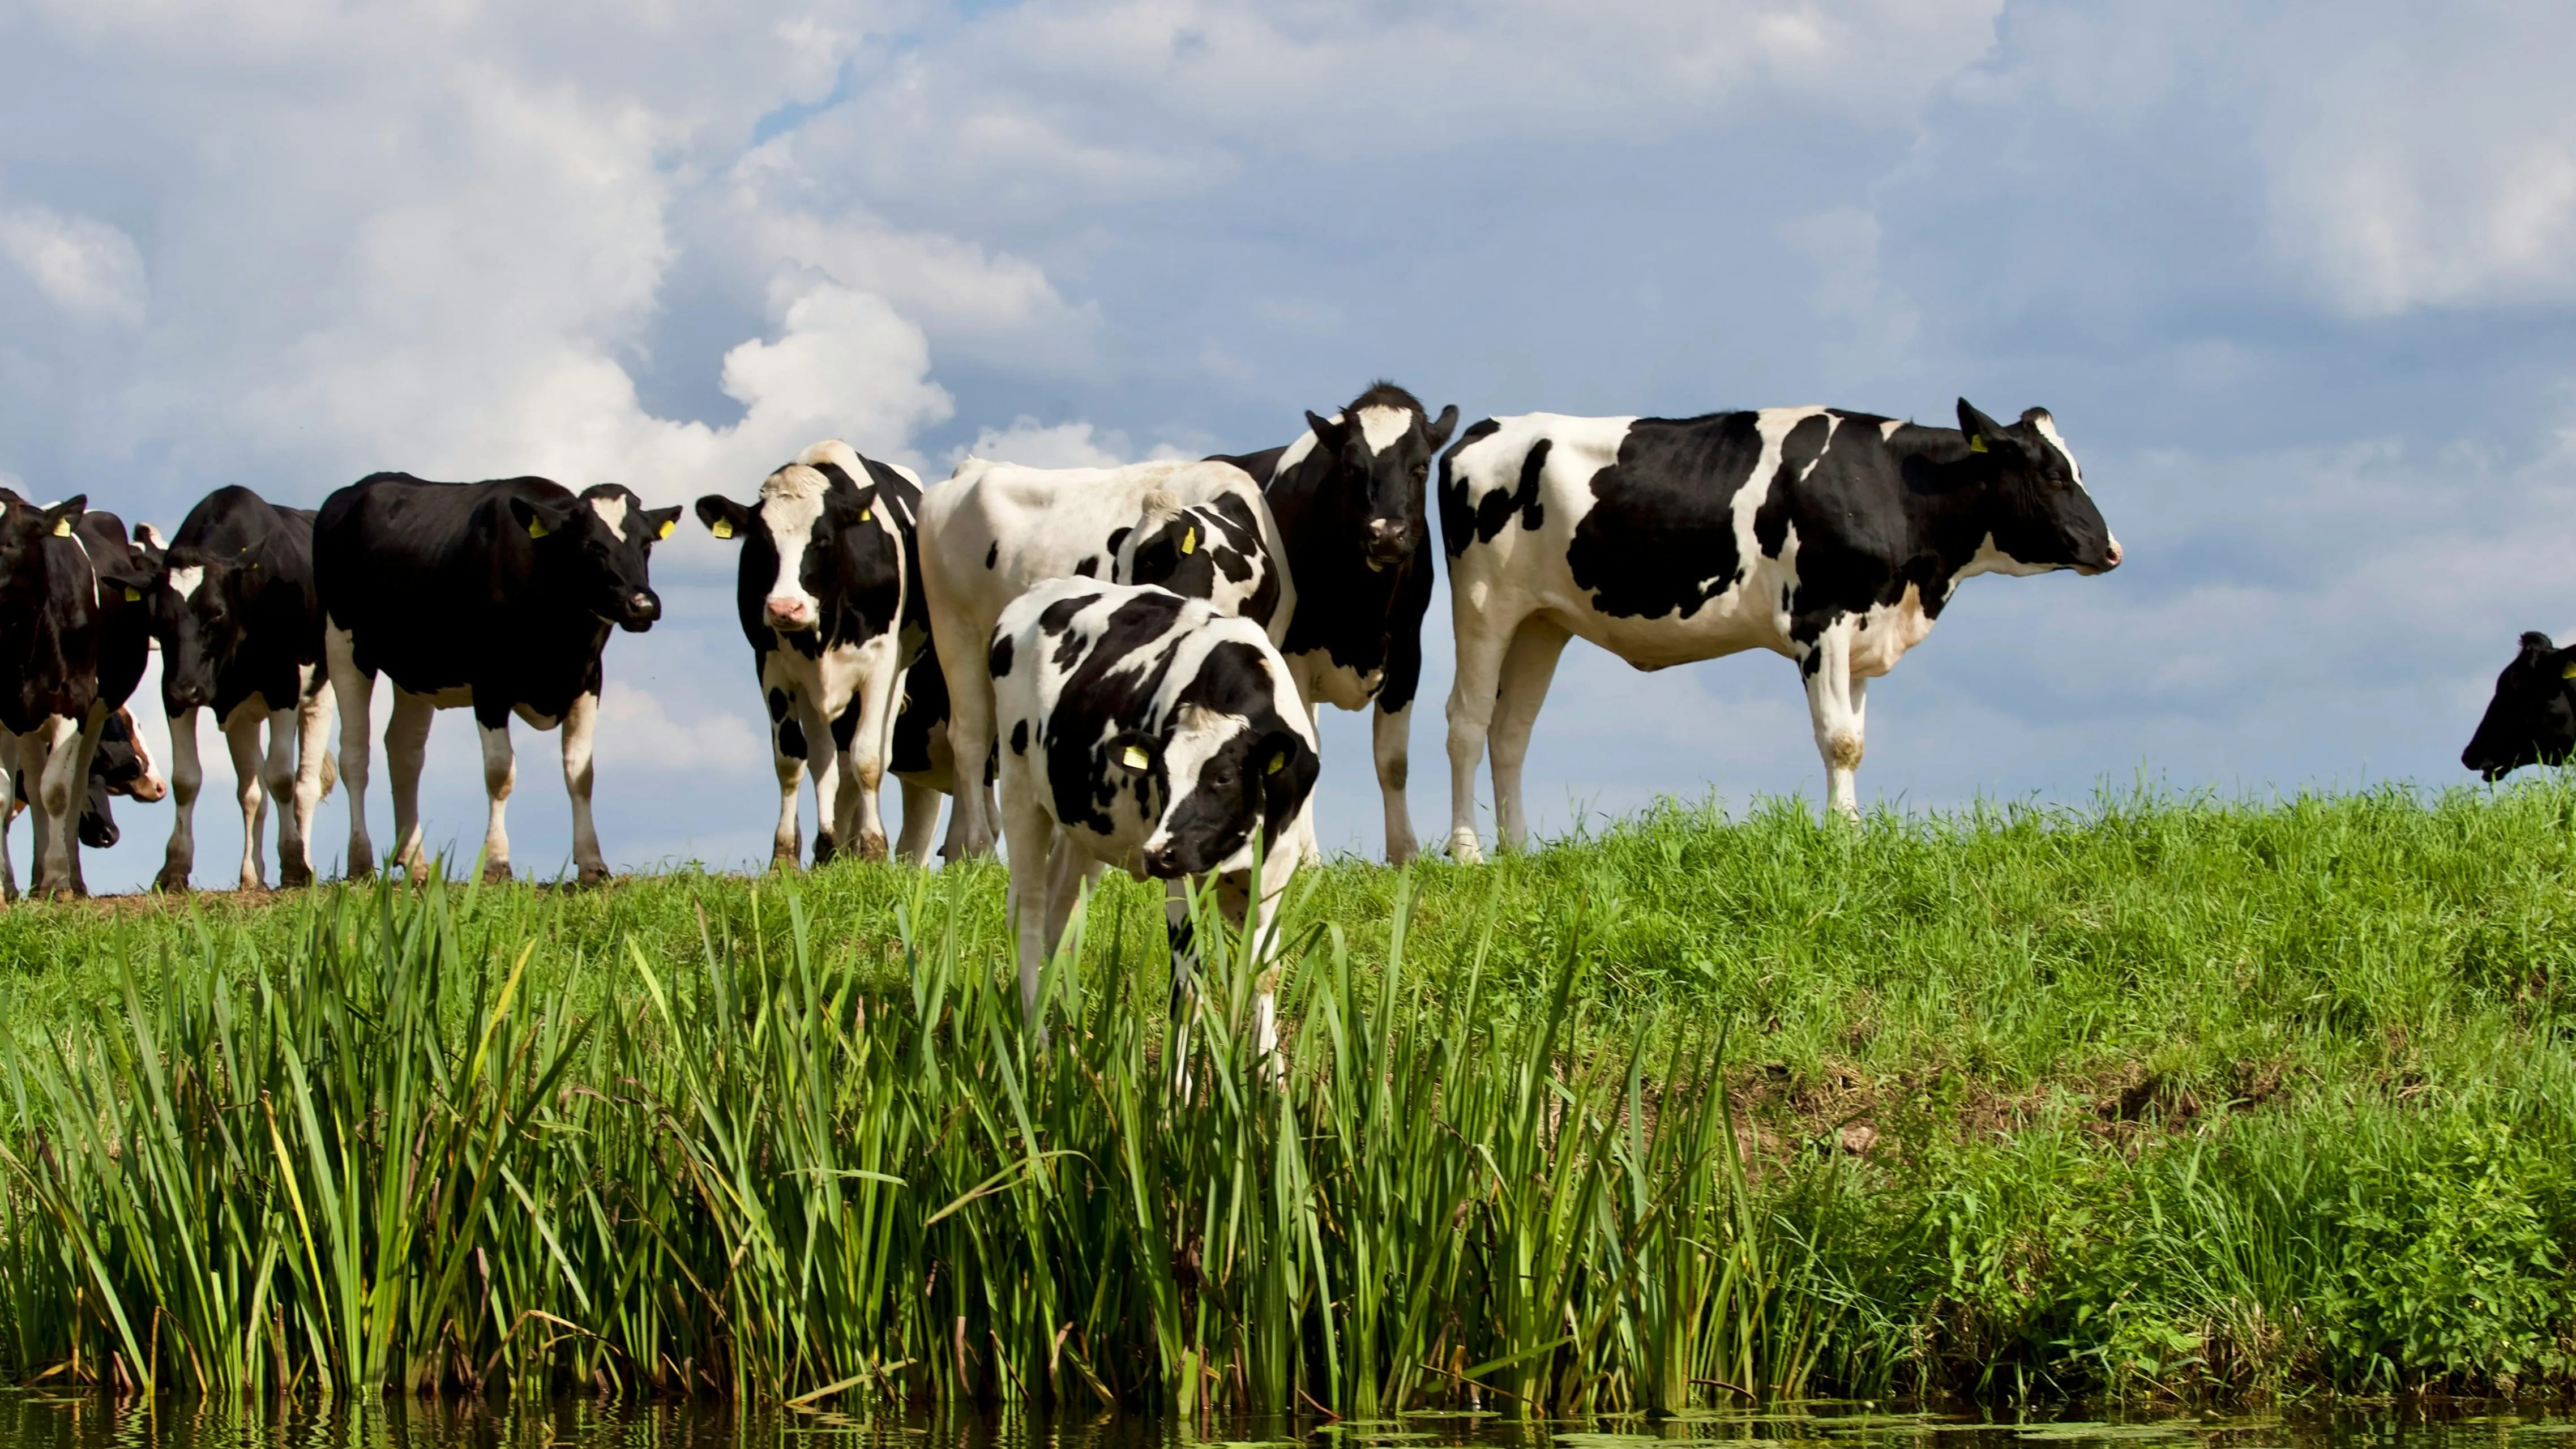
x: 786, y: 842
x: 187, y: 776
x: 823, y: 762
x: 10, y: 747
x: 87, y: 746
x: 871, y: 745
x: 241, y: 738
x: 355, y: 689
x: 1526, y: 672
x: 580, y: 734
x: 406, y: 750
x: 1834, y: 705
x: 1391, y: 742
x: 920, y: 818
x: 1031, y: 838
x: 312, y: 780
x: 56, y: 803
x: 1258, y: 913
x: 970, y: 742
x: 500, y: 777
x: 1481, y: 642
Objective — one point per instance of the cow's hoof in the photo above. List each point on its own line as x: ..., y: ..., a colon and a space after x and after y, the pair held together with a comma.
x: 825, y: 847
x: 593, y: 876
x: 782, y: 856
x: 171, y: 882
x: 294, y: 875
x: 1464, y: 849
x: 1401, y: 855
x: 872, y: 845
x: 252, y: 885
x: 496, y: 872
x: 363, y: 869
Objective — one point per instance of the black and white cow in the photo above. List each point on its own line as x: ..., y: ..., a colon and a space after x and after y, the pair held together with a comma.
x: 1348, y: 495
x: 994, y: 529
x: 239, y: 620
x: 1835, y: 538
x: 2531, y: 719
x: 1155, y: 733
x: 829, y: 595
x: 120, y: 766
x: 497, y: 595
x: 72, y: 646
x: 918, y: 756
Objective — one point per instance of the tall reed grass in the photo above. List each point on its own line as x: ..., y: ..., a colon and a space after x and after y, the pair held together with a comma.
x: 390, y: 1159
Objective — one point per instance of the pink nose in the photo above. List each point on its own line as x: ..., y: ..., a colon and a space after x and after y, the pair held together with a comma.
x: 2114, y: 553
x: 790, y: 611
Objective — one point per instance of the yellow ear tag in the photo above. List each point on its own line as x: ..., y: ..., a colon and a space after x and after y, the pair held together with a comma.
x: 536, y: 529
x: 1135, y: 758
x: 721, y: 528
x: 62, y: 528
x: 667, y: 525
x: 134, y: 596
x: 1190, y: 541
x: 2568, y: 673
x: 1976, y: 442
x: 1277, y: 764
x: 866, y: 513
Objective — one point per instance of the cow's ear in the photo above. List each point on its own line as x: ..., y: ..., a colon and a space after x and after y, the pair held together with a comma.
x: 853, y: 508
x: 723, y: 517
x: 1441, y: 427
x: 1133, y: 752
x: 1985, y: 435
x: 543, y: 517
x: 60, y: 517
x: 150, y: 537
x: 134, y: 585
x: 659, y: 522
x: 2563, y: 662
x: 1286, y: 768
x: 1330, y: 435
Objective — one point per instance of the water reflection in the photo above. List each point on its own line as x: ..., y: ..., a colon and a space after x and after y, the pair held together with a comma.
x: 67, y: 1420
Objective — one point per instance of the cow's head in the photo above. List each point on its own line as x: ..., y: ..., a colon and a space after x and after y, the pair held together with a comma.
x: 1227, y: 764
x: 597, y: 549
x: 24, y: 527
x: 1379, y: 450
x: 2532, y: 718
x: 2037, y: 511
x: 123, y: 765
x: 201, y: 615
x: 812, y: 543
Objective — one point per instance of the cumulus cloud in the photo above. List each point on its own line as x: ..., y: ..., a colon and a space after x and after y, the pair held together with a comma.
x: 1059, y: 445
x: 84, y: 266
x: 637, y: 731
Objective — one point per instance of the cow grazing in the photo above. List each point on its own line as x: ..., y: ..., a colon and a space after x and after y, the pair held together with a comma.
x: 830, y: 600
x: 1152, y: 732
x: 2531, y: 720
x: 239, y: 620
x: 72, y: 646
x: 498, y: 596
x: 1835, y: 538
x: 994, y: 529
x: 1348, y: 495
x: 121, y: 765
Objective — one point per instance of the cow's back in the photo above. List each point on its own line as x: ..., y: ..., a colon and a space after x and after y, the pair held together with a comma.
x: 424, y: 575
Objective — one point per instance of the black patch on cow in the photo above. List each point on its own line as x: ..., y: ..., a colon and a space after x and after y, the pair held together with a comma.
x: 924, y: 710
x: 993, y: 555
x: 997, y: 663
x: 1457, y: 520
x: 1089, y: 568
x: 1117, y: 537
x: 1100, y: 696
x: 777, y: 704
x: 1660, y: 537
x: 791, y: 739
x: 1020, y: 737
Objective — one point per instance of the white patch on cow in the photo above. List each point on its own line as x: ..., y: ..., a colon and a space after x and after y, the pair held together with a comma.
x: 1297, y: 451
x: 611, y: 509
x: 185, y: 581
x: 791, y: 502
x: 1991, y: 559
x: 1382, y: 428
x: 2048, y: 429
x: 1887, y: 428
x: 1887, y: 632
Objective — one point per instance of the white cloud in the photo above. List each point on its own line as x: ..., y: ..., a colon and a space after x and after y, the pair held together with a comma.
x: 1061, y: 445
x: 638, y: 732
x: 82, y: 265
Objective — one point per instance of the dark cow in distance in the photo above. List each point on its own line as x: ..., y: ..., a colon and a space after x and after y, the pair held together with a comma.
x: 239, y: 620
x: 829, y: 595
x: 73, y: 644
x: 120, y: 766
x: 2531, y: 719
x: 1835, y: 538
x: 1349, y: 497
x: 498, y: 596
x: 1156, y: 733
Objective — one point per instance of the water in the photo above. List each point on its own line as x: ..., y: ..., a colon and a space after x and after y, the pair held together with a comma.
x: 39, y: 1420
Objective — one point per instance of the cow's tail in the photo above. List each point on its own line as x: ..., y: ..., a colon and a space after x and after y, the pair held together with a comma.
x: 330, y: 772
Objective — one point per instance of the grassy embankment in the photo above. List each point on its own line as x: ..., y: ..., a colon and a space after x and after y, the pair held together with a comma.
x: 2159, y: 1098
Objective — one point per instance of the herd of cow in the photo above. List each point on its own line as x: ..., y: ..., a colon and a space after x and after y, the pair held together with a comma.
x: 1108, y: 666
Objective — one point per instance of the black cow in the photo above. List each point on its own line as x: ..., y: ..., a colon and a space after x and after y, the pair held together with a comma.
x: 1348, y: 496
x: 1152, y: 732
x: 2532, y: 718
x: 121, y: 765
x: 497, y: 595
x: 829, y: 595
x: 1835, y: 538
x: 239, y: 620
x: 73, y: 641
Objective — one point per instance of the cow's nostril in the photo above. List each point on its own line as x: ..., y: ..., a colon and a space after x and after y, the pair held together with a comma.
x: 2113, y: 553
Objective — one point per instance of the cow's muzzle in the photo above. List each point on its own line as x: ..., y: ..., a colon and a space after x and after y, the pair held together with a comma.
x: 786, y: 613
x: 1163, y: 862
x: 637, y: 611
x: 1390, y: 542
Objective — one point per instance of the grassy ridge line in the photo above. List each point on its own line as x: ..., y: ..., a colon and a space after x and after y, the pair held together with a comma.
x: 2166, y: 1096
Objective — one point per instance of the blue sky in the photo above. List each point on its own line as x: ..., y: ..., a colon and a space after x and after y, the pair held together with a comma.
x: 2296, y: 280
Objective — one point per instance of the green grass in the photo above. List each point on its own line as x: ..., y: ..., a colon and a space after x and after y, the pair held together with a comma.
x: 2162, y: 1097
